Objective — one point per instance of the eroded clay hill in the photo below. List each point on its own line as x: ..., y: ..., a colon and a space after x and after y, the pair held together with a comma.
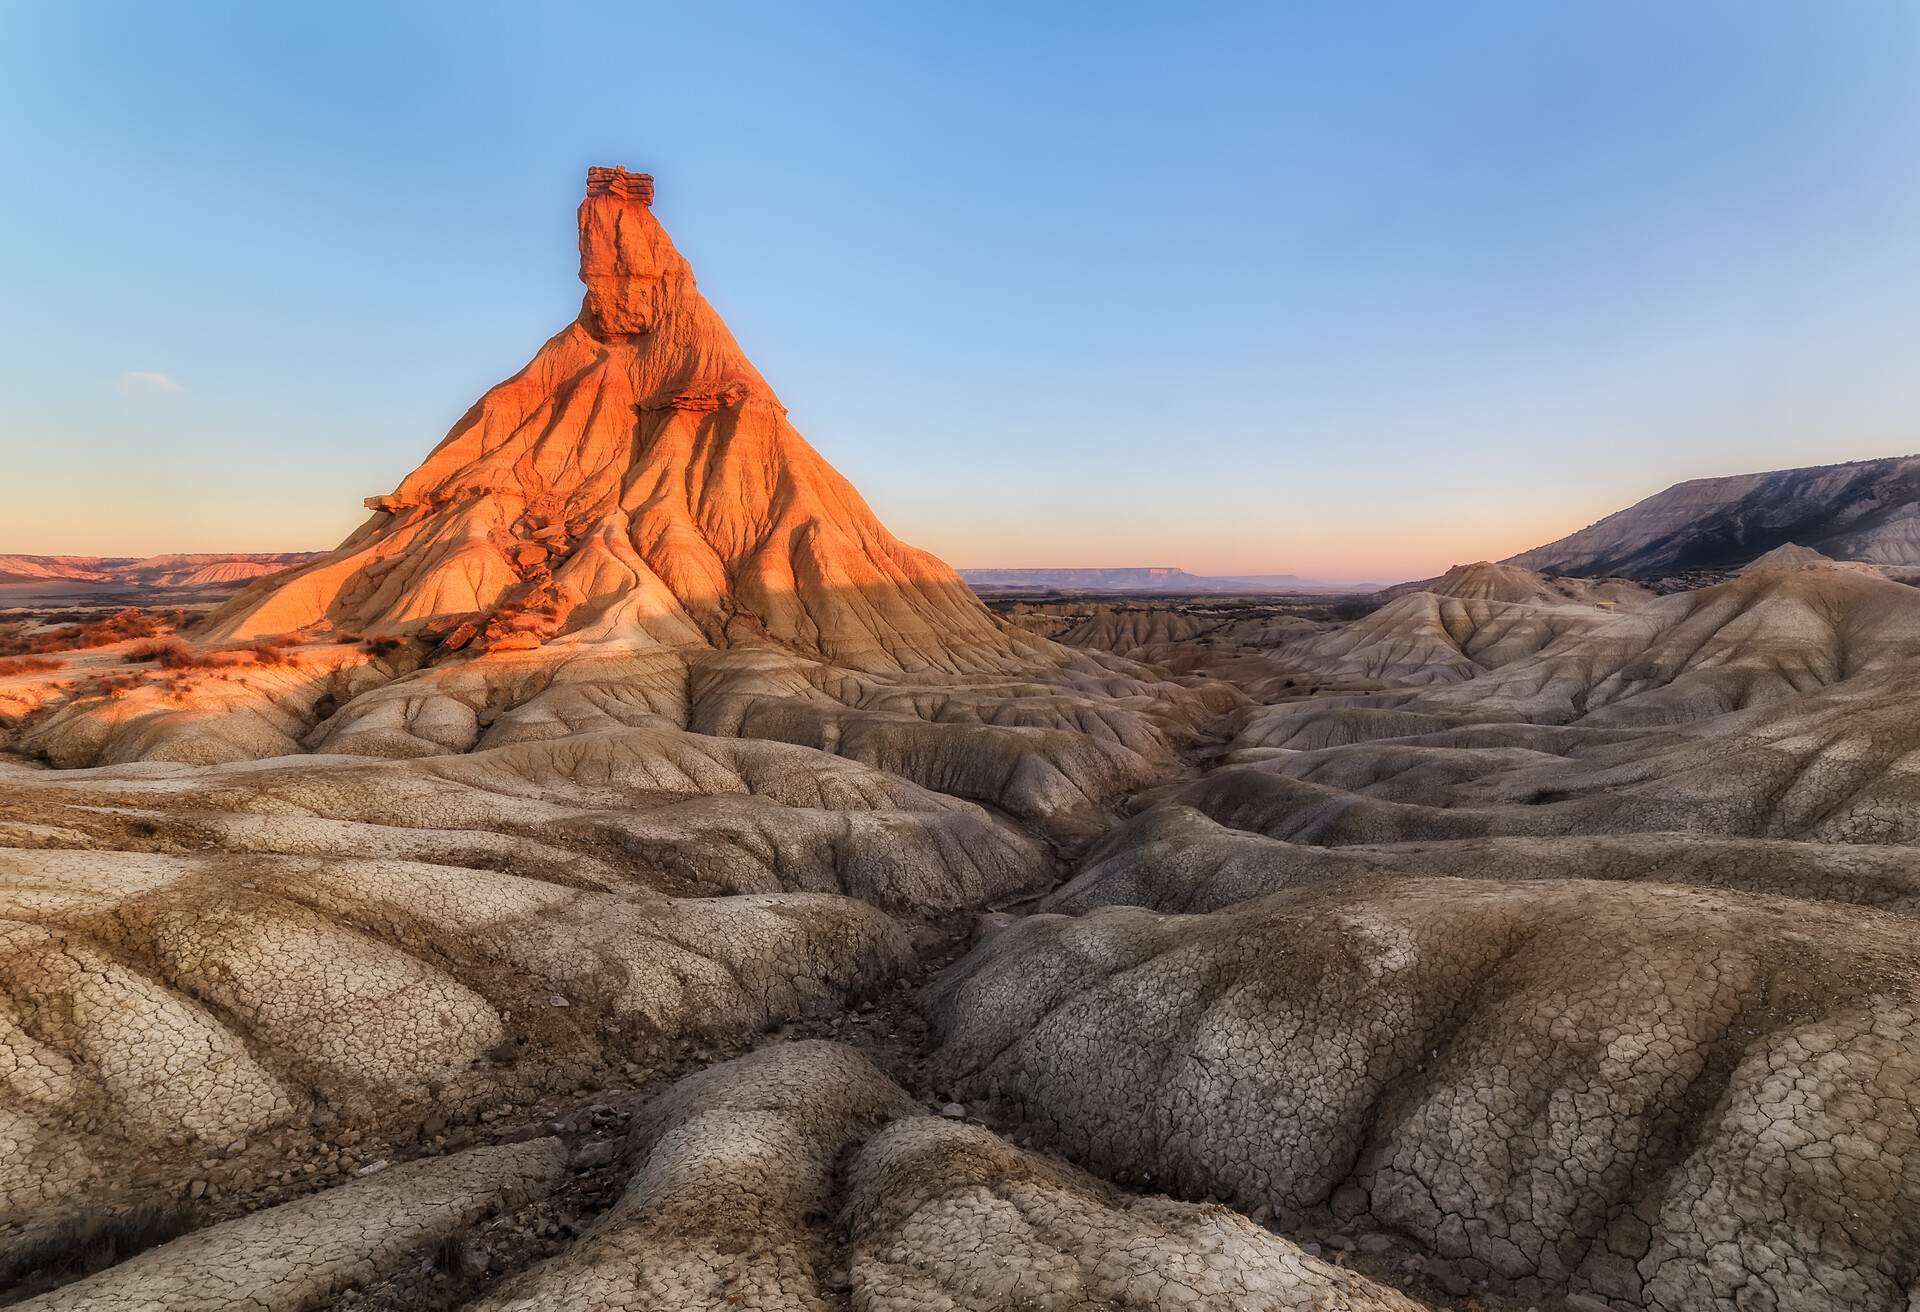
x: 627, y: 533
x: 622, y: 875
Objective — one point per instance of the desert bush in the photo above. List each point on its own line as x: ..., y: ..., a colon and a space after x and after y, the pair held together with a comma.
x: 168, y: 653
x: 173, y: 654
x: 114, y: 686
x: 119, y: 627
x: 26, y: 665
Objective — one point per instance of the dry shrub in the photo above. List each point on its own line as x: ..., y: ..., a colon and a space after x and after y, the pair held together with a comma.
x: 130, y: 623
x: 114, y: 686
x: 173, y: 654
x: 168, y: 653
x: 26, y: 665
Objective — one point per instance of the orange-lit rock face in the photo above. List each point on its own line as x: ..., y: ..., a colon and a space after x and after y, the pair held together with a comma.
x: 637, y: 481
x: 628, y: 263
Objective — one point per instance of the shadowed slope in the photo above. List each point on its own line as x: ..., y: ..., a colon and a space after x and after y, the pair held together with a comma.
x: 1868, y: 510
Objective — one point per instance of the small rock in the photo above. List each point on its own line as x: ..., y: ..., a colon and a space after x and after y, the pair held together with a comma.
x: 1340, y: 1243
x: 557, y: 1001
x: 237, y: 1146
x: 434, y: 1126
x: 597, y: 1154
x: 1262, y: 1214
x: 954, y: 1111
x: 1310, y: 1248
x: 1374, y: 1243
x: 989, y: 923
x: 1448, y: 1276
x: 372, y: 1167
x: 197, y: 1189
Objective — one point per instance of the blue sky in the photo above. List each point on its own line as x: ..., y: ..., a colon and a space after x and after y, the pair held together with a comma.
x: 1348, y: 290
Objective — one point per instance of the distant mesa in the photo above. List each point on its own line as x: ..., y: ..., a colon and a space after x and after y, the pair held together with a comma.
x: 1146, y: 578
x: 197, y: 570
x: 1868, y: 510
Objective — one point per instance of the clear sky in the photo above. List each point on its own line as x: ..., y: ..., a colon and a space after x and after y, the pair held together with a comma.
x: 1350, y: 290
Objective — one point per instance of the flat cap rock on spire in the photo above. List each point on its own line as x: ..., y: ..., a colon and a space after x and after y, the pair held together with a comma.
x: 616, y: 181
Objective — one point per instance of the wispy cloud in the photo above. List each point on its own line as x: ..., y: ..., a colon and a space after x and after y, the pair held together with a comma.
x: 146, y: 382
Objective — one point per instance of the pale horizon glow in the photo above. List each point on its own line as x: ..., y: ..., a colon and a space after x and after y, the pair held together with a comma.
x: 1347, y: 293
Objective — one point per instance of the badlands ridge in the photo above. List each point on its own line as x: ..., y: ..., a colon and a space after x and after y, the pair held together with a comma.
x: 623, y: 875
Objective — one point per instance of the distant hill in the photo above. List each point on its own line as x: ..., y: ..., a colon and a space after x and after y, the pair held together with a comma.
x: 1486, y: 581
x: 1147, y: 578
x: 1868, y: 510
x: 193, y: 570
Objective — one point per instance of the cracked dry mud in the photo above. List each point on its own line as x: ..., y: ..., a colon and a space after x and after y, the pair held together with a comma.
x: 642, y: 882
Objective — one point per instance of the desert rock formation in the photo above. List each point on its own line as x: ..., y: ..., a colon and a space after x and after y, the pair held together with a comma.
x: 624, y: 875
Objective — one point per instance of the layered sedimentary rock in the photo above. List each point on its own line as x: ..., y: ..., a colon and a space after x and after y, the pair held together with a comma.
x: 638, y: 479
x: 627, y: 533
